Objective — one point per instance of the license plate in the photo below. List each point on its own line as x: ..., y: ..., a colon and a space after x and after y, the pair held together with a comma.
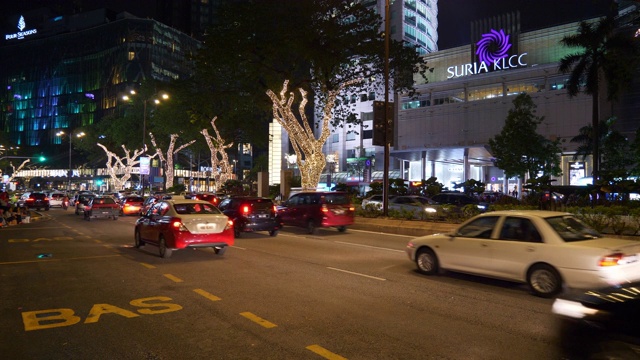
x: 263, y: 216
x: 338, y: 212
x: 106, y: 212
x: 206, y: 226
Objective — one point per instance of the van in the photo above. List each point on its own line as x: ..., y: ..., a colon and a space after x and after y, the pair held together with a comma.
x: 315, y: 209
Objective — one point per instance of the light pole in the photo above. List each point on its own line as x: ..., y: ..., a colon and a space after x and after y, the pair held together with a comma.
x: 156, y: 99
x: 70, y: 136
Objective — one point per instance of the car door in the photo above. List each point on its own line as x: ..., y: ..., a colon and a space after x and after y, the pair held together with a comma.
x: 287, y: 212
x: 468, y: 249
x: 147, y: 232
x: 518, y: 245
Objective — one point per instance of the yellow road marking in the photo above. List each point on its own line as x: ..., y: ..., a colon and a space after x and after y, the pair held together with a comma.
x: 325, y: 353
x: 173, y: 278
x: 148, y: 266
x: 258, y: 320
x: 98, y: 241
x: 207, y: 295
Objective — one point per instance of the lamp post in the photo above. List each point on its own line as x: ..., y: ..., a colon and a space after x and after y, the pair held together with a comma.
x: 78, y: 135
x: 156, y: 99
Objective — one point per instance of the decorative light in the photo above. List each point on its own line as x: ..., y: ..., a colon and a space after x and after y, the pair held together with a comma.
x: 119, y: 168
x: 168, y: 160
x: 219, y: 157
x: 301, y: 136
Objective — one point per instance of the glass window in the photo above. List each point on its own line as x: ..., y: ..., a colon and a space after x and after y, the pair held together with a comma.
x: 351, y: 136
x: 519, y: 229
x: 479, y: 228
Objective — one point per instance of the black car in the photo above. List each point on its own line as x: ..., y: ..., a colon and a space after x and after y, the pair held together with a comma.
x: 37, y: 201
x: 458, y: 200
x: 251, y: 214
x: 600, y: 323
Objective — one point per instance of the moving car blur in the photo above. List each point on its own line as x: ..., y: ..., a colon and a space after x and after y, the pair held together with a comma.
x: 101, y: 207
x: 131, y: 205
x: 312, y: 210
x: 250, y: 214
x: 547, y: 250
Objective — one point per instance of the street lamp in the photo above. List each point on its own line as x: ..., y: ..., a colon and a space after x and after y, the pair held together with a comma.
x: 157, y: 100
x: 78, y: 135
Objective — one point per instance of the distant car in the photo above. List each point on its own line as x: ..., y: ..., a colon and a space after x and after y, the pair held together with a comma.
x: 251, y: 214
x: 599, y: 323
x: 131, y: 205
x: 81, y: 201
x: 212, y: 198
x: 374, y: 201
x: 37, y: 201
x: 55, y: 199
x: 318, y: 209
x: 421, y: 207
x: 547, y: 250
x: 179, y: 224
x: 101, y: 207
x: 458, y: 200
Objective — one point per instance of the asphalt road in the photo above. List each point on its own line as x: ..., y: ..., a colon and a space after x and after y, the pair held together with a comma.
x: 73, y: 289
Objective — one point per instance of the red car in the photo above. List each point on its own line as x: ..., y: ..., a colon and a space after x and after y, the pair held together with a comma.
x: 318, y: 209
x: 131, y: 205
x: 178, y: 224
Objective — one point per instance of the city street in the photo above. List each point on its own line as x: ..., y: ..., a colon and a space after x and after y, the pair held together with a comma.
x: 73, y: 289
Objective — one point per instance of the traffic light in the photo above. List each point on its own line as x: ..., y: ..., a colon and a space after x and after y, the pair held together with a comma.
x: 379, y: 123
x: 42, y: 158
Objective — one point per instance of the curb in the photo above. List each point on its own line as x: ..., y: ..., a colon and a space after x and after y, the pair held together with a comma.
x: 402, y: 227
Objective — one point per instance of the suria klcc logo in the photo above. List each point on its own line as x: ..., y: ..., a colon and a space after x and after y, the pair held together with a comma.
x: 493, y: 53
x: 21, y: 34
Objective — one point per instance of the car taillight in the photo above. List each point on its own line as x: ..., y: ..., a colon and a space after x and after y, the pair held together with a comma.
x: 352, y: 208
x: 324, y: 208
x: 87, y: 207
x: 245, y: 209
x: 30, y: 200
x: 215, y: 201
x: 275, y: 209
x: 617, y: 259
x: 229, y: 225
x: 177, y: 224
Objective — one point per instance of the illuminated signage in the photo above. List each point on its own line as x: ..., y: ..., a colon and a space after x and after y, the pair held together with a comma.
x: 22, y: 33
x: 493, y: 53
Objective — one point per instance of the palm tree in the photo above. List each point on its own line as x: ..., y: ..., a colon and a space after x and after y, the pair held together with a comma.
x: 606, y: 56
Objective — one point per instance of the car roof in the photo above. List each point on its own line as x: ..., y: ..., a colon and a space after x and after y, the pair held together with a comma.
x: 536, y: 213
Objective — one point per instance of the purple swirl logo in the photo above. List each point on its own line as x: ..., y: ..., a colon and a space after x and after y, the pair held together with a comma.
x: 493, y: 46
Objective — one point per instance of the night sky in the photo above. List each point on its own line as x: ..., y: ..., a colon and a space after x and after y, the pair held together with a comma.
x: 455, y: 16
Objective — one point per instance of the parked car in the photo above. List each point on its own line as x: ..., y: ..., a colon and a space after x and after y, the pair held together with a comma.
x: 421, y: 207
x: 81, y: 201
x: 55, y: 199
x: 547, y: 250
x: 318, y: 209
x: 458, y: 199
x: 251, y: 214
x: 179, y: 224
x: 37, y: 201
x: 599, y: 323
x: 212, y: 198
x: 131, y: 205
x: 101, y: 207
x: 374, y: 201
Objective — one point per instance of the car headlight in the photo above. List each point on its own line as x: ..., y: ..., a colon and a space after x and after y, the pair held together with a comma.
x: 430, y: 210
x: 572, y: 309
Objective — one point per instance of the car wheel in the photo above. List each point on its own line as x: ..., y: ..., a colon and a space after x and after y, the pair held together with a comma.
x: 165, y: 252
x: 121, y: 213
x: 115, y: 218
x: 544, y: 281
x: 311, y: 227
x: 273, y: 232
x: 342, y: 228
x: 77, y: 213
x: 427, y: 262
x: 138, y: 240
x: 236, y: 231
x: 220, y: 250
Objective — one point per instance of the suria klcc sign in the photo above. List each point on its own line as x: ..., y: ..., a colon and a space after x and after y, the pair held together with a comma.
x: 493, y: 54
x: 22, y: 33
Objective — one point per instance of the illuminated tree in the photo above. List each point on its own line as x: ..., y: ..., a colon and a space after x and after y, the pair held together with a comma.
x: 15, y: 171
x: 119, y: 168
x: 168, y: 160
x: 221, y: 170
x: 300, y: 132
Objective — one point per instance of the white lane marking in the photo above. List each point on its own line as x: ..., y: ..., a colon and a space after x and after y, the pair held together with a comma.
x: 359, y: 274
x: 369, y: 246
x: 238, y: 247
x: 381, y: 233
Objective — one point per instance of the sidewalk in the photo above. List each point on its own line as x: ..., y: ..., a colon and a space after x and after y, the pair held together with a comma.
x: 33, y: 216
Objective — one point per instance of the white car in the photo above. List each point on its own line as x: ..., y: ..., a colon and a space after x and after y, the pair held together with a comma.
x: 548, y: 250
x: 55, y: 199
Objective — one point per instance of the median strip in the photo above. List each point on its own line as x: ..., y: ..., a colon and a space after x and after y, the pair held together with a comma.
x: 258, y: 320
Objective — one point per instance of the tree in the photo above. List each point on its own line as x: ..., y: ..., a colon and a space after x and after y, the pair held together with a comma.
x: 517, y: 157
x: 321, y: 45
x: 119, y: 168
x: 301, y: 134
x: 168, y: 160
x: 222, y: 170
x: 607, y: 56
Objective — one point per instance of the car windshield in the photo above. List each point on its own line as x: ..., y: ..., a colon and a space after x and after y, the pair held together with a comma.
x: 336, y: 199
x: 196, y: 208
x: 571, y: 229
x: 134, y: 199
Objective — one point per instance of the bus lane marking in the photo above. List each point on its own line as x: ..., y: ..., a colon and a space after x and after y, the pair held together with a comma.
x: 173, y: 278
x: 207, y: 295
x: 258, y: 320
x: 319, y: 350
x: 53, y: 318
